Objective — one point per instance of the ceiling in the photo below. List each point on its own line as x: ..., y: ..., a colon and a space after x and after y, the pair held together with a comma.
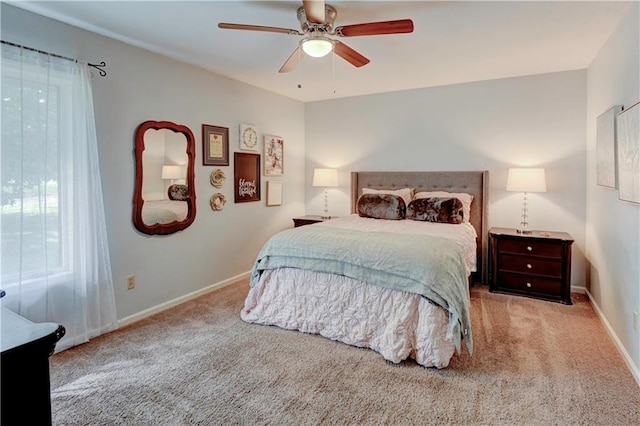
x: 453, y: 41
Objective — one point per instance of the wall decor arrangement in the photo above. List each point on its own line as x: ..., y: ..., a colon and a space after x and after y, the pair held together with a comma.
x: 217, y: 178
x: 248, y: 137
x: 274, y: 193
x: 246, y: 176
x: 215, y: 145
x: 217, y: 201
x: 628, y: 133
x: 606, y: 147
x: 273, y: 155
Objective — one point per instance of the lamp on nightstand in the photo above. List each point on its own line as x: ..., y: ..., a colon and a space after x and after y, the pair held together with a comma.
x: 172, y: 173
x: 325, y: 178
x: 526, y: 180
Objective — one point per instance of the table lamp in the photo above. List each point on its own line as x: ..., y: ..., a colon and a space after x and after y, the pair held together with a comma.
x: 526, y: 180
x: 325, y: 178
x: 172, y: 172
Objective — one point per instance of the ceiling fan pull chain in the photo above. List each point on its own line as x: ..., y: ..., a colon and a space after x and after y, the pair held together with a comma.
x: 299, y: 68
x: 333, y: 66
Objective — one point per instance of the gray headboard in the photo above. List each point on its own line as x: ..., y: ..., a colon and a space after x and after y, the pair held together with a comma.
x: 475, y: 183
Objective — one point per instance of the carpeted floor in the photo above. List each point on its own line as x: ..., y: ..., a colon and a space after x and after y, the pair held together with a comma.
x: 535, y: 363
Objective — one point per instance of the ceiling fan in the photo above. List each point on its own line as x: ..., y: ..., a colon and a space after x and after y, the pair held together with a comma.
x: 316, y: 21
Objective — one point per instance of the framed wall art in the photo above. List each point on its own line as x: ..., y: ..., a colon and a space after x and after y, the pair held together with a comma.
x: 215, y: 145
x: 606, y: 147
x: 248, y: 137
x: 273, y: 155
x: 246, y: 177
x: 628, y: 134
x: 274, y: 193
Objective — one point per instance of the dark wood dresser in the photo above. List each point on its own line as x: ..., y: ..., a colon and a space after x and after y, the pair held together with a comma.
x: 26, y: 348
x: 534, y: 265
x: 308, y: 220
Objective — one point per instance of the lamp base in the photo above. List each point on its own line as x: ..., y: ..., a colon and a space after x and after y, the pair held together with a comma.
x: 524, y: 231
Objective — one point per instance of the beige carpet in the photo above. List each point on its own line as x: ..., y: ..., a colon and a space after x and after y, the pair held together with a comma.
x: 536, y: 363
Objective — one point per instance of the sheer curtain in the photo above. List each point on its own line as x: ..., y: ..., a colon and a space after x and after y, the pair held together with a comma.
x: 55, y: 264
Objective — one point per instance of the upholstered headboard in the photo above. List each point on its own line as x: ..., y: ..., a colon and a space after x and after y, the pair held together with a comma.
x: 475, y: 183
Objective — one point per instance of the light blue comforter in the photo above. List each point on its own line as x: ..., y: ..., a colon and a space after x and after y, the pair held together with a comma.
x: 430, y: 266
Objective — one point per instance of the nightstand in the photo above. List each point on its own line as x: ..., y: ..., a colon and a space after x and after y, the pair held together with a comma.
x: 534, y: 265
x: 308, y: 220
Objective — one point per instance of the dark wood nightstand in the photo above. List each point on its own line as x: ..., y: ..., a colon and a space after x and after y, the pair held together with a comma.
x: 308, y: 220
x: 535, y: 265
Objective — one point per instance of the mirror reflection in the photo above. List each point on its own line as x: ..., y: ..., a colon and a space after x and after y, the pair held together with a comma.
x: 164, y: 199
x: 164, y: 190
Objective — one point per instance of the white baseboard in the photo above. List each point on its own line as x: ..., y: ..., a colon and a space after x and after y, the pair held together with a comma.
x: 581, y: 290
x: 175, y: 302
x: 635, y: 371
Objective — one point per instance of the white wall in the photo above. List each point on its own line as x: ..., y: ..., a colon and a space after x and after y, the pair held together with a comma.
x: 144, y: 86
x: 490, y: 125
x: 613, y: 226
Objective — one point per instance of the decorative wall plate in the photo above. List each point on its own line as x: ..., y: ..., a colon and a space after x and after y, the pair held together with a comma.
x: 217, y: 178
x: 218, y: 201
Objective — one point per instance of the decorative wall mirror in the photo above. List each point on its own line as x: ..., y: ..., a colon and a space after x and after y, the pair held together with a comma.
x: 164, y: 199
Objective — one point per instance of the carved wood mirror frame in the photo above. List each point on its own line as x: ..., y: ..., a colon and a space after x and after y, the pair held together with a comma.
x: 138, y: 201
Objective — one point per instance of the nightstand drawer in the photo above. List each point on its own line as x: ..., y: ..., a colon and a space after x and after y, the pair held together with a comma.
x: 532, y: 248
x: 528, y: 284
x: 530, y: 265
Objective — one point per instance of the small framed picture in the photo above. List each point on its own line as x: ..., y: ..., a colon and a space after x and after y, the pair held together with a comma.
x: 274, y: 193
x: 248, y: 137
x: 273, y: 155
x: 215, y: 145
x: 246, y: 180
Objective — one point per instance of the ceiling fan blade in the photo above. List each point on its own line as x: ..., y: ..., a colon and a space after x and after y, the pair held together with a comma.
x: 293, y: 61
x: 314, y: 9
x: 376, y: 28
x: 349, y: 55
x: 228, y: 26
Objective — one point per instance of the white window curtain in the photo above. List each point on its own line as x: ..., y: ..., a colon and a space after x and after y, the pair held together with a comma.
x: 55, y: 264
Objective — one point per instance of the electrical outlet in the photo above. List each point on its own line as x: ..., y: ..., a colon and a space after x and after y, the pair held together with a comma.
x: 131, y: 282
x: 635, y: 320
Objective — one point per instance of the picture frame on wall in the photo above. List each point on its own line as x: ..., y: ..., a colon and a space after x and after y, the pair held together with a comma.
x: 215, y: 145
x: 274, y: 193
x: 246, y: 177
x: 248, y: 137
x: 606, y: 147
x: 273, y: 155
x: 628, y: 134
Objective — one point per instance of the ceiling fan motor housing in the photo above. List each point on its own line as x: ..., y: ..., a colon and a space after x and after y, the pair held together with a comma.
x: 330, y: 14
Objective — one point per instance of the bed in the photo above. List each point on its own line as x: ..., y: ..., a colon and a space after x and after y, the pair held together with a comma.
x: 164, y: 211
x: 377, y: 283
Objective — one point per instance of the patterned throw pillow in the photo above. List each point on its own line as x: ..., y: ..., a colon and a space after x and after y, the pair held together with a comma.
x: 381, y: 206
x: 178, y: 192
x: 436, y: 209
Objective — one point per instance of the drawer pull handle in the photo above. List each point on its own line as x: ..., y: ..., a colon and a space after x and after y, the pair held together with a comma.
x: 529, y: 285
x: 529, y: 248
x: 529, y: 266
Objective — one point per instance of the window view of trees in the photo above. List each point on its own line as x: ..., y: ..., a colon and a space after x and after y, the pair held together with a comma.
x: 30, y: 172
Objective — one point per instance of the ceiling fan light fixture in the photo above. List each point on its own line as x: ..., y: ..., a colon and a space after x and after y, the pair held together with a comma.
x: 317, y: 46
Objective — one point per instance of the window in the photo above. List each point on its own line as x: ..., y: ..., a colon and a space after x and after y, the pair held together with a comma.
x: 35, y: 118
x: 55, y: 264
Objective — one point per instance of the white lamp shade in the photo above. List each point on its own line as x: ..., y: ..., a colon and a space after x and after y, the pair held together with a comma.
x: 526, y: 180
x: 172, y: 172
x: 317, y: 46
x: 325, y: 177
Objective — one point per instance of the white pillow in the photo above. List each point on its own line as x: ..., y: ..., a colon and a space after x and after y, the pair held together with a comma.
x: 462, y: 196
x: 406, y: 193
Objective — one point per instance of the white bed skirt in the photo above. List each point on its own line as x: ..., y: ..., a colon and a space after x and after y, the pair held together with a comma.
x: 396, y: 324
